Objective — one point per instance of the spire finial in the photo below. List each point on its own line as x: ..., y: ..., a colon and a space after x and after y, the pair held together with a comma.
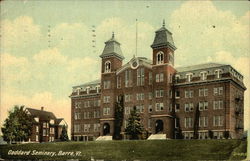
x: 163, y: 24
x: 113, y: 34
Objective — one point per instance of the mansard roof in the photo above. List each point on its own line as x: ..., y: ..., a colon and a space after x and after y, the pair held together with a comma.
x: 91, y: 83
x: 199, y: 67
x: 163, y: 38
x: 112, y: 48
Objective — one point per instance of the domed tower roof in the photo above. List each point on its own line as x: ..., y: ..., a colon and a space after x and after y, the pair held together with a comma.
x: 112, y: 48
x: 163, y: 38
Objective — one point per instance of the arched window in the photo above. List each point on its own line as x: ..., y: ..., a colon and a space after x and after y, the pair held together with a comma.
x: 107, y: 67
x: 160, y: 57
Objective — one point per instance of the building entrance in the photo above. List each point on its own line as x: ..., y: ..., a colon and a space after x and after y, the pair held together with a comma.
x: 106, y: 129
x: 159, y: 126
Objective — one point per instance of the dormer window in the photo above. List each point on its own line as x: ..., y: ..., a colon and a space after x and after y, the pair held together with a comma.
x: 97, y: 89
x: 217, y: 73
x: 107, y: 67
x: 189, y: 77
x: 203, y: 75
x: 160, y: 57
x: 88, y: 89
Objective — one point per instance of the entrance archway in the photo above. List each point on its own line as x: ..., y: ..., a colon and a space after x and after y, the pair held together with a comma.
x: 106, y: 129
x: 159, y: 126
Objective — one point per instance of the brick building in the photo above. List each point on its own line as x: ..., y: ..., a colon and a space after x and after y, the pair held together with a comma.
x: 46, y: 127
x: 205, y: 98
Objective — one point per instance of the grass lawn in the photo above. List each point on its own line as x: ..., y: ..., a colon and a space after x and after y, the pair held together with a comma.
x: 134, y: 150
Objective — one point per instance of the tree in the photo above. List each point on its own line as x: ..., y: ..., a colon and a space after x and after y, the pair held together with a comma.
x: 17, y: 127
x: 134, y: 128
x: 119, y: 108
x: 196, y: 122
x: 64, y: 134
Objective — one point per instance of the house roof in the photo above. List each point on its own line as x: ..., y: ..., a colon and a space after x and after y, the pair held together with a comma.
x: 41, y: 113
x: 94, y: 82
x: 198, y: 67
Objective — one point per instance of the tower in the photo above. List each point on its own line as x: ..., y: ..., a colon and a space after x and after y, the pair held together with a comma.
x: 163, y: 71
x: 111, y: 61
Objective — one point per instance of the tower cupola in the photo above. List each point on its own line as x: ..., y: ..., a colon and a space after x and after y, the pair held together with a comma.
x: 112, y: 48
x: 163, y: 38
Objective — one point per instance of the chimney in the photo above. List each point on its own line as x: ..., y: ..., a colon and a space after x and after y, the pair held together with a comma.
x: 42, y: 108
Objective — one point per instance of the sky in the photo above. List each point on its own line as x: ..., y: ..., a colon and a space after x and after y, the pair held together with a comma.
x: 47, y: 46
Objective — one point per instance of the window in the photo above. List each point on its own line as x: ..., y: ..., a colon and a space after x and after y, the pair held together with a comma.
x: 203, y: 106
x: 139, y: 96
x: 140, y: 76
x: 86, y: 127
x: 106, y: 99
x: 188, y: 122
x: 150, y: 78
x: 96, y: 114
x: 140, y: 108
x: 128, y: 97
x: 189, y: 77
x: 106, y: 84
x: 218, y: 135
x: 44, y: 125
x: 77, y: 116
x: 87, y: 90
x: 37, y: 138
x: 51, y: 130
x: 203, y: 75
x: 177, y: 94
x: 203, y: 92
x: 106, y: 111
x: 170, y: 107
x: 44, y: 132
x: 150, y: 95
x: 77, y: 104
x: 76, y: 128
x: 99, y: 103
x: 203, y: 121
x: 177, y: 78
x: 170, y: 94
x: 87, y: 104
x: 97, y: 89
x: 96, y: 127
x: 160, y: 58
x: 217, y: 73
x: 176, y: 122
x: 189, y: 94
x: 218, y: 104
x: 170, y: 78
x: 189, y: 107
x: 159, y: 77
x: 149, y: 123
x: 127, y: 110
x: 118, y: 82
x: 220, y: 90
x: 37, y: 128
x: 86, y: 115
x: 159, y: 106
x: 177, y: 107
x: 150, y: 109
x: 107, y: 67
x: 128, y: 78
x: 188, y: 135
x: 159, y: 93
x: 186, y: 107
x: 218, y: 120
